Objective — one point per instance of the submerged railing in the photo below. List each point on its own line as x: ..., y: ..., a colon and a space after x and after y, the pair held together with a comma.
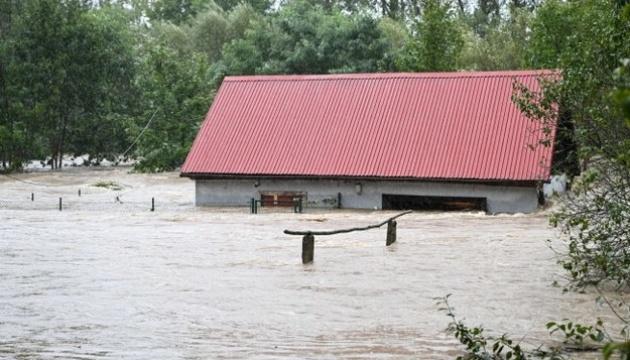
x: 308, y: 239
x: 83, y: 201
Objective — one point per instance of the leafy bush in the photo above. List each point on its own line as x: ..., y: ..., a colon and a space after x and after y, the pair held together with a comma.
x: 167, y: 157
x: 595, y: 218
x: 480, y: 346
x: 576, y: 338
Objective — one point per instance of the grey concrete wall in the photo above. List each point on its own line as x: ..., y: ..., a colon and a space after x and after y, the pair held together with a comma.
x: 323, y: 193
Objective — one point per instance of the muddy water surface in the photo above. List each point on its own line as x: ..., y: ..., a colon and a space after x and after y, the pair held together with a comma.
x: 107, y: 279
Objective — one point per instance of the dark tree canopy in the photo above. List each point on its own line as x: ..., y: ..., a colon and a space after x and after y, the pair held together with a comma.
x: 169, y: 56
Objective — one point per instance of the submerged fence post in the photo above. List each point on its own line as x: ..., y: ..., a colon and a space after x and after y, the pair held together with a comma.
x: 60, y: 204
x: 152, y: 204
x: 308, y: 248
x: 391, y: 233
x: 32, y: 196
x: 297, y: 205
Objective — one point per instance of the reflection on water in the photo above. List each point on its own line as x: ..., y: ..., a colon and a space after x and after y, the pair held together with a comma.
x: 95, y: 282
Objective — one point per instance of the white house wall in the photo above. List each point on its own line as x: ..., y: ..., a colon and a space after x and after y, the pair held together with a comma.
x: 323, y: 193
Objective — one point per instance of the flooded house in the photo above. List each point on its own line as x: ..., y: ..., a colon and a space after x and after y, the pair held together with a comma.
x: 371, y: 141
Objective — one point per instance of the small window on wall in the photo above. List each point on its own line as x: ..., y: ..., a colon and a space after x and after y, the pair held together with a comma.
x: 443, y: 203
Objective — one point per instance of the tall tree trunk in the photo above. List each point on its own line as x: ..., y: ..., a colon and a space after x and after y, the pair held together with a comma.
x: 62, y: 140
x: 394, y: 9
x: 462, y: 7
x: 57, y: 138
x: 5, y: 150
x: 415, y: 7
x: 402, y: 9
x: 53, y: 159
x: 7, y: 147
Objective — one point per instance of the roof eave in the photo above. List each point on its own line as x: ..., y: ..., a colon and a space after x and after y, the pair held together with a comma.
x: 218, y: 176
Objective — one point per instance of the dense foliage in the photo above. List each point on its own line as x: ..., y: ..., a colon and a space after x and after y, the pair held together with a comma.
x: 593, y: 55
x: 134, y: 78
x: 588, y: 42
x: 68, y: 77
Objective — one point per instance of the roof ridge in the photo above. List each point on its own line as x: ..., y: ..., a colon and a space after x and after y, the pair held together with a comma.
x: 386, y: 76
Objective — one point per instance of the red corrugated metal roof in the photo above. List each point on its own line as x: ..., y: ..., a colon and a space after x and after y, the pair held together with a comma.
x: 452, y: 126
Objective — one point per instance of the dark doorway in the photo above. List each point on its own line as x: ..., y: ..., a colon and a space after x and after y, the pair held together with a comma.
x: 444, y: 203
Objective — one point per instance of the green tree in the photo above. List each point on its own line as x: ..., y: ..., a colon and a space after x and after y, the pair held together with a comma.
x: 11, y: 139
x: 595, y: 215
x: 587, y: 41
x: 401, y: 10
x: 175, y: 11
x: 503, y: 47
x: 211, y: 29
x: 552, y: 32
x: 396, y: 35
x: 178, y: 90
x: 259, y: 5
x: 437, y: 40
x: 71, y: 65
x: 112, y: 91
x: 306, y: 38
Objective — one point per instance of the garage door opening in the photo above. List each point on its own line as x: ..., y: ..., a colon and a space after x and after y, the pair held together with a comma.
x: 443, y: 203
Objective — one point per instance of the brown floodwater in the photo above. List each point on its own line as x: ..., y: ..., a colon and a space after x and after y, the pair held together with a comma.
x: 109, y: 279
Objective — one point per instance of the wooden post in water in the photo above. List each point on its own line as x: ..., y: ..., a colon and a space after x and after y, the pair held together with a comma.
x: 391, y: 233
x: 79, y: 192
x: 308, y: 248
x: 254, y: 206
x: 32, y: 196
x: 60, y: 204
x: 152, y: 204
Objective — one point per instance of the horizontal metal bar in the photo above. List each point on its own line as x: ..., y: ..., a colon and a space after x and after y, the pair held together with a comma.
x: 333, y: 232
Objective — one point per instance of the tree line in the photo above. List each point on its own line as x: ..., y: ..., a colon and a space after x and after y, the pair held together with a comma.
x: 86, y: 76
